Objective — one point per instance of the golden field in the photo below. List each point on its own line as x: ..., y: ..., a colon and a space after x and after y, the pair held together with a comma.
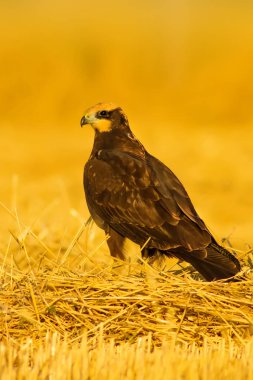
x: 183, y: 74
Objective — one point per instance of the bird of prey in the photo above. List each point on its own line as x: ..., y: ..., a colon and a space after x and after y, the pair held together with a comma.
x: 131, y: 194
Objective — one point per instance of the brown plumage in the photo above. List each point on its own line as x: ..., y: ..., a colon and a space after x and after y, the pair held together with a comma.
x: 131, y: 194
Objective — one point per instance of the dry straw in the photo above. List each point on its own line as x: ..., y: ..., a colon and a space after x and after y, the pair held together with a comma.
x: 66, y: 314
x: 126, y: 306
x: 54, y: 359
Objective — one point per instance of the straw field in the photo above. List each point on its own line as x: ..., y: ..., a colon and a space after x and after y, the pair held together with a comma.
x: 183, y: 75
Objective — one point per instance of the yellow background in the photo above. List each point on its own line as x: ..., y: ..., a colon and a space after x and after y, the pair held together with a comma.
x: 181, y: 70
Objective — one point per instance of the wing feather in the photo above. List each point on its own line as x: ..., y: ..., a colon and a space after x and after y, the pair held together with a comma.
x: 140, y: 199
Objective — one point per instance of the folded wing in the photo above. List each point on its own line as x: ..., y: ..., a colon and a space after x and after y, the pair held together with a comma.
x: 142, y: 199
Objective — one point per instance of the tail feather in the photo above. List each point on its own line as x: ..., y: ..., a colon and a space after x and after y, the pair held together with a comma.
x: 217, y: 264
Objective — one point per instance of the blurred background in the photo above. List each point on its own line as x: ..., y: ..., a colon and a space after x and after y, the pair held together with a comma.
x: 181, y: 70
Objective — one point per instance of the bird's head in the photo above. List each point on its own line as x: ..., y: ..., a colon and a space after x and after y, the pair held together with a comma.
x: 104, y: 117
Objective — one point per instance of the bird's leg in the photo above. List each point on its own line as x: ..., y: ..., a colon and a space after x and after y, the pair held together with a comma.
x: 148, y: 252
x: 151, y: 255
x: 116, y: 244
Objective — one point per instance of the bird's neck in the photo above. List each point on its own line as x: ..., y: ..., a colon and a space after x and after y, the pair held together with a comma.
x: 117, y: 139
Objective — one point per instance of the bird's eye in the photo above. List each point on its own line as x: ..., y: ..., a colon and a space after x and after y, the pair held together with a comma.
x: 104, y: 113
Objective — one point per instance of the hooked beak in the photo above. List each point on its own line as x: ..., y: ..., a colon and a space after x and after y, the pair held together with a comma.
x: 83, y: 121
x: 88, y: 119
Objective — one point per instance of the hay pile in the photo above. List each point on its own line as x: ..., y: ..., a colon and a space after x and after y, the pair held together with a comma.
x: 66, y: 314
x: 123, y: 307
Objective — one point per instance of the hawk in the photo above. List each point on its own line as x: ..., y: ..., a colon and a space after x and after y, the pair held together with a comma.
x: 131, y: 194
